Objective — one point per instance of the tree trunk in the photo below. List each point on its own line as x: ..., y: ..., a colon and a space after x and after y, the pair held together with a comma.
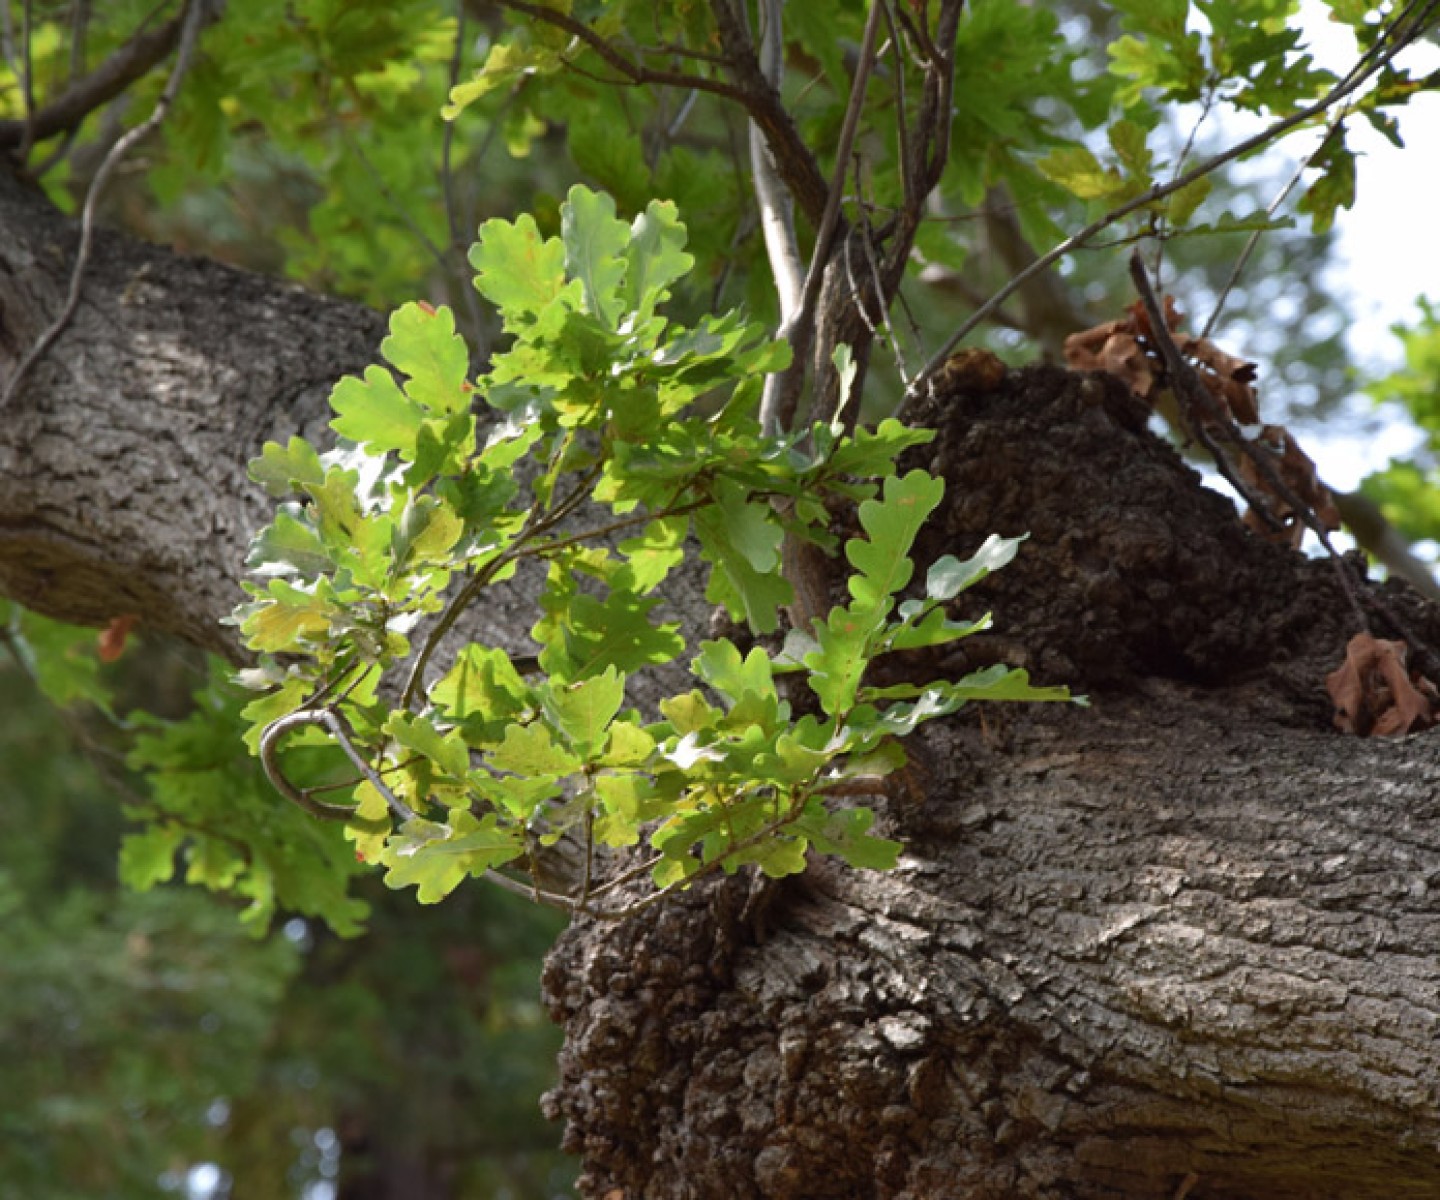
x: 1181, y: 942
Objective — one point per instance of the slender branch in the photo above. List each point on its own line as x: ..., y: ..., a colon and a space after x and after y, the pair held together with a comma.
x: 1341, y: 90
x: 633, y: 72
x: 777, y: 211
x: 762, y: 103
x: 269, y: 763
x: 1202, y: 412
x: 132, y: 61
x: 1254, y: 239
x: 193, y: 16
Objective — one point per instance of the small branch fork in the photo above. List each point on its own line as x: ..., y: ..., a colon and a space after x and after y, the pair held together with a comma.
x: 1204, y: 416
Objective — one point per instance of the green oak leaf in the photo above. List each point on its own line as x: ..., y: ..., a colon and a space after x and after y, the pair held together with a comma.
x: 883, y: 561
x: 424, y: 346
x: 532, y: 751
x: 719, y: 664
x: 845, y: 833
x: 655, y: 258
x: 420, y: 734
x: 281, y: 469
x: 595, y: 243
x: 148, y: 858
x: 949, y: 576
x: 582, y: 711
x: 518, y: 270
x: 434, y: 858
x: 375, y: 413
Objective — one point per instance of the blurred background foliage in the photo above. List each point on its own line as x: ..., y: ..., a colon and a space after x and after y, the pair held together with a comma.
x: 150, y: 1042
x: 189, y: 1040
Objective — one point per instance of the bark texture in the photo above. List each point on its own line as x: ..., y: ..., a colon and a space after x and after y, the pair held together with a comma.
x: 1184, y: 939
x: 123, y: 457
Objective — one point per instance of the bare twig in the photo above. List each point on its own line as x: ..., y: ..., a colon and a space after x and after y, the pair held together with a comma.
x: 332, y: 724
x: 1201, y: 410
x: 193, y: 17
x: 761, y: 102
x: 633, y: 72
x: 1254, y: 239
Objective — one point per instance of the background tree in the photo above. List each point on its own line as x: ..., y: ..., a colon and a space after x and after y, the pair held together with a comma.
x: 1188, y: 985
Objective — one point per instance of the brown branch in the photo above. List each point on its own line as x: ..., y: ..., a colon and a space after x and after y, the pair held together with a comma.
x: 633, y: 72
x: 761, y: 101
x: 132, y: 61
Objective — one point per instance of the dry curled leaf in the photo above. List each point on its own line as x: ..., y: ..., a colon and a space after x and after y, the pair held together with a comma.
x: 112, y: 637
x: 1375, y: 692
x: 1126, y: 349
x: 1297, y: 472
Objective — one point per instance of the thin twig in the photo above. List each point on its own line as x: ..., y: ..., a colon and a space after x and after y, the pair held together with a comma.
x: 867, y: 243
x: 188, y: 38
x: 1202, y: 408
x: 633, y: 72
x: 1254, y: 240
x: 326, y: 718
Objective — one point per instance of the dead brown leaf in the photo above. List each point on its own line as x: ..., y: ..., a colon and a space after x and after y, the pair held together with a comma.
x: 1375, y: 693
x: 1126, y: 349
x: 1297, y: 472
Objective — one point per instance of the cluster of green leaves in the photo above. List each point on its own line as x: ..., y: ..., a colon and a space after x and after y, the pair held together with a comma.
x: 631, y: 434
x: 292, y: 145
x: 208, y: 814
x: 154, y: 1032
x: 1408, y: 490
x: 1248, y: 55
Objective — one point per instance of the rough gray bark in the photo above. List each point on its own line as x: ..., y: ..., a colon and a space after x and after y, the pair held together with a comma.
x: 122, y: 460
x: 1188, y: 931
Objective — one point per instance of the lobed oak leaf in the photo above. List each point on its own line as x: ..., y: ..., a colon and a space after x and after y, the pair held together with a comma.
x: 1375, y: 692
